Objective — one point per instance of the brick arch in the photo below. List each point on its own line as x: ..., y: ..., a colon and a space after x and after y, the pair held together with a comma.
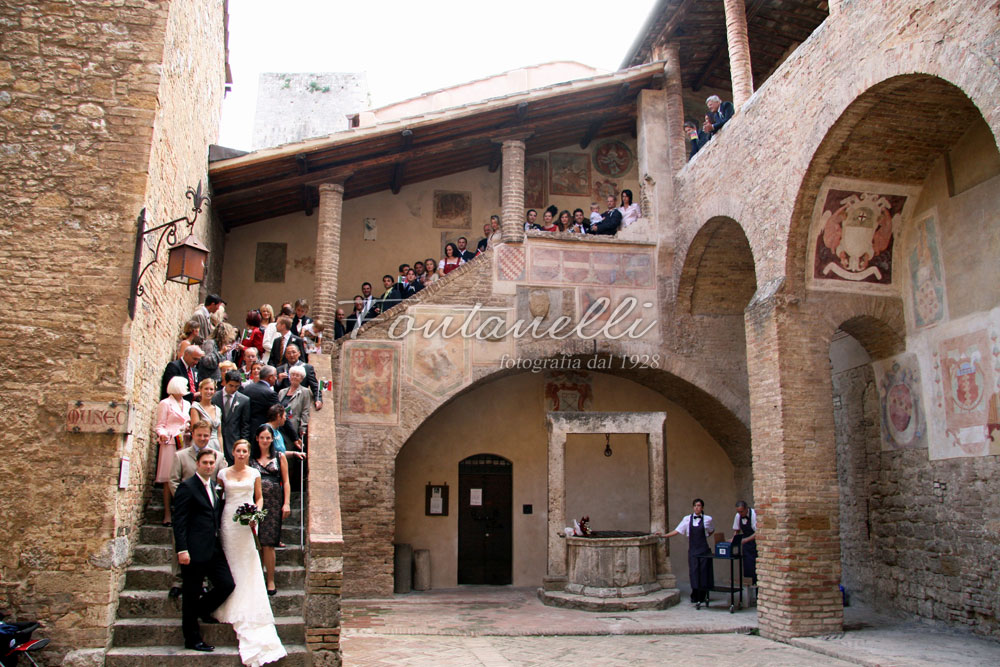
x: 718, y: 276
x: 892, y: 130
x: 723, y: 414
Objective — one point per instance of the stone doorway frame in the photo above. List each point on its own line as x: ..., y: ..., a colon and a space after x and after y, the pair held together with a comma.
x: 560, y: 425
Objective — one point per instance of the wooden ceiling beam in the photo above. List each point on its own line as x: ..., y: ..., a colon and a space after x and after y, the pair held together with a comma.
x: 397, y: 178
x: 723, y: 48
x: 496, y: 158
x: 338, y: 170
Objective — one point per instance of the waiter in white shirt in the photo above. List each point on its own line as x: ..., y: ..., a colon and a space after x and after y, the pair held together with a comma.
x: 697, y: 526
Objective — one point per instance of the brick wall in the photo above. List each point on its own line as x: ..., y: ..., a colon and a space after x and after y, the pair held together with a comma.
x: 85, y: 145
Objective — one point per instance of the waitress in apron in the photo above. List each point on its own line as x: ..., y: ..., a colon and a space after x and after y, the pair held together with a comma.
x: 745, y: 522
x: 697, y: 526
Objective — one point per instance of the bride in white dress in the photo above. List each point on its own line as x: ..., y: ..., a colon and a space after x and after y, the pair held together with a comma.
x: 248, y: 608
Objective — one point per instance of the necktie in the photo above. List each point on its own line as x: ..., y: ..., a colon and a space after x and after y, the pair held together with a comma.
x: 191, y: 380
x: 211, y: 492
x: 229, y: 403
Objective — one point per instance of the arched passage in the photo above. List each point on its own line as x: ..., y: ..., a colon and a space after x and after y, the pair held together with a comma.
x: 851, y: 470
x: 505, y: 416
x: 718, y: 277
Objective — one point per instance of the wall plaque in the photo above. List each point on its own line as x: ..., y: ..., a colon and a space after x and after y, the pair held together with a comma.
x: 94, y: 417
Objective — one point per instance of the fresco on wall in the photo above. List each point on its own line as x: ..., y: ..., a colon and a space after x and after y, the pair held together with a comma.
x: 966, y: 367
x: 488, y: 348
x: 534, y: 183
x: 435, y: 364
x: 568, y: 391
x: 452, y: 210
x: 853, y: 233
x: 602, y: 190
x: 510, y: 262
x: 612, y: 158
x: 927, y: 292
x: 269, y: 264
x: 369, y: 388
x: 585, y: 266
x: 569, y: 174
x: 904, y: 425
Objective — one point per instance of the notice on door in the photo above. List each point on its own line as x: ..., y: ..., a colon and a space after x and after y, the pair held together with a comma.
x: 476, y: 497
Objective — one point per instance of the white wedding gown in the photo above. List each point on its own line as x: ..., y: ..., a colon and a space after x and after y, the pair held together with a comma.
x: 247, y: 608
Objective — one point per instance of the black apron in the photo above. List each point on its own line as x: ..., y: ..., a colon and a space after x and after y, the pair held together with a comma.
x: 700, y: 570
x: 749, y: 549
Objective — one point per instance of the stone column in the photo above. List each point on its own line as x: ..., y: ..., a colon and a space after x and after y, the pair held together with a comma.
x: 658, y: 502
x: 331, y: 208
x: 739, y: 51
x: 556, y: 574
x: 795, y: 469
x: 672, y: 88
x: 512, y: 191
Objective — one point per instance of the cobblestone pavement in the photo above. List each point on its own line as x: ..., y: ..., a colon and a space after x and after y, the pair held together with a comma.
x: 509, y: 626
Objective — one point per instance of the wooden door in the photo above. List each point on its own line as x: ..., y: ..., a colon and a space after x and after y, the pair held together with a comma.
x: 484, y: 520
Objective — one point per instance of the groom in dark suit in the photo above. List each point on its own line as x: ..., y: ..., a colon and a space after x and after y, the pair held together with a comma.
x: 197, y: 514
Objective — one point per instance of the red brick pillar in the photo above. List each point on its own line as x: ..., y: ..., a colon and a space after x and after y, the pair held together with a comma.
x: 676, y: 148
x: 794, y: 470
x: 512, y: 191
x: 331, y: 208
x: 739, y: 51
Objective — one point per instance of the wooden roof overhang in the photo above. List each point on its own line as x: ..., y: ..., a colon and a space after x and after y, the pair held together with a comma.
x: 276, y: 181
x: 774, y: 29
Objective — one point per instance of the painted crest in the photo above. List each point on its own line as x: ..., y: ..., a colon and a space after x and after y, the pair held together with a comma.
x: 568, y: 391
x: 904, y: 425
x: 538, y: 303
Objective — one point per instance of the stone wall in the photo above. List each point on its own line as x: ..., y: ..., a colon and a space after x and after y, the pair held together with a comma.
x: 296, y: 106
x: 107, y: 107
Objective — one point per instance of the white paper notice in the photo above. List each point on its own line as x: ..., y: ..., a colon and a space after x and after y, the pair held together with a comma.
x: 436, y: 504
x: 124, y: 473
x: 475, y: 497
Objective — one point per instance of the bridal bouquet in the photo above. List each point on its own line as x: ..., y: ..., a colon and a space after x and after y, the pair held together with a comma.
x: 248, y: 514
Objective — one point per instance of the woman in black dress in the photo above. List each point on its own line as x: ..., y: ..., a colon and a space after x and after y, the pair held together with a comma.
x: 277, y: 497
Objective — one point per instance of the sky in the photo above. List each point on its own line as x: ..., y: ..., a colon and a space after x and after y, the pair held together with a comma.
x: 411, y: 47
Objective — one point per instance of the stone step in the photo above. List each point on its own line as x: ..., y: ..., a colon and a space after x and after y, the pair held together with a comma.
x: 157, y: 534
x: 163, y: 554
x: 167, y: 631
x: 159, y: 577
x: 169, y: 655
x: 157, y: 604
x: 154, y: 514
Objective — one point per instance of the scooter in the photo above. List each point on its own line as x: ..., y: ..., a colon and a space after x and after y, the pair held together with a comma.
x: 15, y: 641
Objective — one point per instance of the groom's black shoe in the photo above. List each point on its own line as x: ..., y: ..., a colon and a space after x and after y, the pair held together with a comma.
x: 209, y: 620
x: 200, y: 646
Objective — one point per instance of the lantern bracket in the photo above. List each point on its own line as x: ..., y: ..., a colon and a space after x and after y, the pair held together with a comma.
x: 168, y: 231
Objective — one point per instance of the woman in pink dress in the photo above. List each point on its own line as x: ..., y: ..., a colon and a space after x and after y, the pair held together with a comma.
x: 172, y: 418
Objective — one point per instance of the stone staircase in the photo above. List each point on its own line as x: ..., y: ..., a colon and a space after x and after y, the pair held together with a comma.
x: 147, y: 632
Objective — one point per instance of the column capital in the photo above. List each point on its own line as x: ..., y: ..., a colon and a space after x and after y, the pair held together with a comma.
x: 331, y: 187
x: 512, y: 137
x: 331, y: 177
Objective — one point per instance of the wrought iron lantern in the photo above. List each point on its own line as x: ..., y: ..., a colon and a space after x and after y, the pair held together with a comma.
x: 186, y: 258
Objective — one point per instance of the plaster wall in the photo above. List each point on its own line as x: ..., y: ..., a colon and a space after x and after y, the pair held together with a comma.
x: 507, y: 417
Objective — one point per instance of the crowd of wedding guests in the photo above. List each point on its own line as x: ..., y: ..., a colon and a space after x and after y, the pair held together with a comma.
x: 224, y: 388
x: 410, y: 279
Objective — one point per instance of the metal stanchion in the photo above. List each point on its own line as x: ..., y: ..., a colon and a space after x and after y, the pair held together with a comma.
x: 302, y: 515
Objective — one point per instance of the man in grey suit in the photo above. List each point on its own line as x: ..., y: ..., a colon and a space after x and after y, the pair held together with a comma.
x: 235, y: 407
x: 203, y: 315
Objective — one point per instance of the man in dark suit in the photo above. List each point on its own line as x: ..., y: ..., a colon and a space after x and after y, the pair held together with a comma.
x: 235, y: 407
x: 485, y: 241
x: 184, y: 367
x: 197, y: 514
x: 391, y: 295
x: 292, y: 358
x: 285, y: 337
x: 698, y: 138
x: 261, y: 396
x: 463, y: 249
x: 718, y: 113
x: 610, y: 221
x: 410, y: 286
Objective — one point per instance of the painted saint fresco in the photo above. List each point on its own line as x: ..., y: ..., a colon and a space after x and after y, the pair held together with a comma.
x: 927, y: 292
x: 612, y: 158
x: 534, y: 182
x: 452, y: 210
x: 569, y: 174
x: 904, y: 425
x: 369, y: 391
